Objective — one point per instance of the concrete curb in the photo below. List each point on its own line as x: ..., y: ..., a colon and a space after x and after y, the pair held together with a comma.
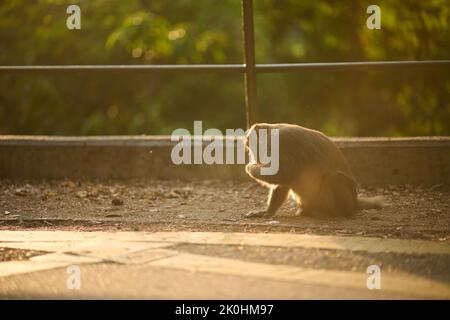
x: 414, y: 160
x: 157, y: 251
x: 45, y: 240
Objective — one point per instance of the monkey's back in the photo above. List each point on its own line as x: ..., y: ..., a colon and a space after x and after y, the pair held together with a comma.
x: 310, y: 148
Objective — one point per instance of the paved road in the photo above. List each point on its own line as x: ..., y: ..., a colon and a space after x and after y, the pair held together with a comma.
x: 215, y: 265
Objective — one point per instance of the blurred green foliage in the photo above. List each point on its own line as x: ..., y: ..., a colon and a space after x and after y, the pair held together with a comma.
x: 387, y: 103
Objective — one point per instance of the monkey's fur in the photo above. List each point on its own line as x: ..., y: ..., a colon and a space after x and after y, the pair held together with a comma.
x: 313, y: 170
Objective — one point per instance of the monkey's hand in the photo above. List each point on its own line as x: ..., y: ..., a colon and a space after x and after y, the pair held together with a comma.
x: 253, y: 169
x: 257, y: 214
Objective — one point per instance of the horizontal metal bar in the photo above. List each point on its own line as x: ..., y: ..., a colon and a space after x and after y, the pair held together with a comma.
x: 193, y: 68
x: 166, y: 141
x: 230, y: 68
x: 351, y: 66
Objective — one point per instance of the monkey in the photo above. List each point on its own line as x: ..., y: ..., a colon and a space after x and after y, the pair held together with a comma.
x: 312, y: 170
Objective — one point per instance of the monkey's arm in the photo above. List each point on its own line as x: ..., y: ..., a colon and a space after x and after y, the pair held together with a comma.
x: 277, y: 196
x: 281, y: 177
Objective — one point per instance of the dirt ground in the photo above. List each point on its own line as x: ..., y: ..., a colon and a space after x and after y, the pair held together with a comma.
x: 9, y: 254
x: 413, y: 212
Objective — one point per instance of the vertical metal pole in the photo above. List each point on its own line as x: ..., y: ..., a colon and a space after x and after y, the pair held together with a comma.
x: 249, y: 61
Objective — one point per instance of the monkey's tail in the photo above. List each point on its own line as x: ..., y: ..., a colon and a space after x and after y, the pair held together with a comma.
x: 376, y: 202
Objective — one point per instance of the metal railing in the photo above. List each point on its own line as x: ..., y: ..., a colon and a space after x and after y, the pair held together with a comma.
x: 249, y: 68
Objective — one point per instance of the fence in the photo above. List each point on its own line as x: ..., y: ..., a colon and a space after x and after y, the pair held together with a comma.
x: 249, y: 68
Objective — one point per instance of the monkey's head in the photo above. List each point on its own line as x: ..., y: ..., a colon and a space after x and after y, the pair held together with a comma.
x: 252, y: 139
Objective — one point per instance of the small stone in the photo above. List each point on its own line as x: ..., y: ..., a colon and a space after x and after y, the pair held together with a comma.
x: 172, y: 195
x: 47, y: 195
x: 93, y: 193
x: 274, y: 222
x: 81, y: 194
x: 21, y: 192
x: 113, y: 215
x: 117, y: 201
x: 181, y: 216
x: 68, y: 184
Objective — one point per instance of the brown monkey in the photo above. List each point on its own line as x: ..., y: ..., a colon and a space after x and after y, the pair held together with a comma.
x: 311, y: 169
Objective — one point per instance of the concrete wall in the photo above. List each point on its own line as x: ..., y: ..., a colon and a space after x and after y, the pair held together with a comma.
x: 374, y: 160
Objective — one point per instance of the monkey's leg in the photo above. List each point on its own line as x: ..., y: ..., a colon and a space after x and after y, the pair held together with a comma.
x: 300, y: 211
x: 345, y: 196
x: 336, y: 197
x: 277, y: 196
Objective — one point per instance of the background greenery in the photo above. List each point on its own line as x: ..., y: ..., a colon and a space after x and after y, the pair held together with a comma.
x: 386, y: 103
